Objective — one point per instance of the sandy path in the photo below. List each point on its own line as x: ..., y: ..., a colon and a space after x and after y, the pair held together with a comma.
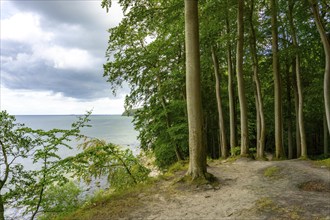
x: 244, y: 193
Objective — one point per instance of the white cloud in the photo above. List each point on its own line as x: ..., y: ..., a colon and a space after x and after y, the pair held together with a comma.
x: 27, y: 102
x: 24, y: 28
x: 66, y: 58
x: 42, y: 34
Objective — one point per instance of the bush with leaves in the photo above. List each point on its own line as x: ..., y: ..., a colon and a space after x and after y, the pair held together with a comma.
x: 26, y: 188
x: 100, y: 159
x: 59, y: 200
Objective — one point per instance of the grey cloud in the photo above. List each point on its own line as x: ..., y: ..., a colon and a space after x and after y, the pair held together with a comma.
x: 24, y: 72
x: 75, y: 25
x: 40, y: 76
x: 73, y: 11
x: 58, y: 16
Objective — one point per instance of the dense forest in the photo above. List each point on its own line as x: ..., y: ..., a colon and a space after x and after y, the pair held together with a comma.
x: 262, y: 66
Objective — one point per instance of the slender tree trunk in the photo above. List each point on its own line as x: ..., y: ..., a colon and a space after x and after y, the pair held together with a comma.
x: 288, y: 90
x: 2, y: 209
x: 240, y: 80
x: 258, y: 126
x: 326, y: 45
x: 277, y: 83
x: 298, y: 78
x: 197, y: 152
x: 296, y: 104
x: 255, y: 67
x: 325, y: 137
x: 232, y: 113
x: 223, y: 142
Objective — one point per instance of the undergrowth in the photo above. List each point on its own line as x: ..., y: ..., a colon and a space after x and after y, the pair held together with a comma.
x: 323, y: 163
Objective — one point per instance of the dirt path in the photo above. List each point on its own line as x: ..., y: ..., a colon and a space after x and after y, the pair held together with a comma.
x: 294, y: 190
x: 247, y: 189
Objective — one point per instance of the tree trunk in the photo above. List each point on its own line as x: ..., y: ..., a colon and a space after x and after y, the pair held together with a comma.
x: 240, y: 80
x: 223, y: 141
x: 288, y: 92
x: 325, y: 137
x: 259, y: 102
x: 277, y: 83
x: 197, y: 153
x: 258, y: 126
x: 2, y: 209
x: 326, y: 45
x: 299, y: 86
x: 296, y: 104
x: 232, y: 113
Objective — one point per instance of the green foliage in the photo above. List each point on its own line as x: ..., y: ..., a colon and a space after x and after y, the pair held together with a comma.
x: 60, y: 200
x: 100, y: 159
x: 148, y: 55
x: 26, y: 188
x: 235, y: 151
x: 129, y: 112
x: 165, y: 155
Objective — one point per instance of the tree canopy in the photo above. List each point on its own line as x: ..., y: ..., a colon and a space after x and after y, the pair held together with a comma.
x: 147, y: 51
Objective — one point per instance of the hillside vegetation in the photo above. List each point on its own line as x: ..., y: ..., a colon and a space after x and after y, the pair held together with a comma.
x: 244, y: 189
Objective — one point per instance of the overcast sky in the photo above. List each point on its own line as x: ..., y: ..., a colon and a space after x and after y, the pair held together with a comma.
x: 52, y: 54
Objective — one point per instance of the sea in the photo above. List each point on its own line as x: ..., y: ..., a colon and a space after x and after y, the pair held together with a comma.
x: 114, y: 129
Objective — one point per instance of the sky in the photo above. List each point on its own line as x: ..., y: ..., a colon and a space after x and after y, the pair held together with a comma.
x: 52, y: 56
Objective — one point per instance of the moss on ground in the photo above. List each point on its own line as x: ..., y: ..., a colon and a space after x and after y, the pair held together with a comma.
x: 272, y: 172
x: 113, y: 203
x: 323, y: 163
x: 269, y: 207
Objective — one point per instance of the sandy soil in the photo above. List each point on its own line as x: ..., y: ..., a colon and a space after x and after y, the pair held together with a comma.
x: 294, y: 190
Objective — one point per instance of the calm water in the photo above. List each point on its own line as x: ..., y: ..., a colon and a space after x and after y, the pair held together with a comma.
x: 112, y: 128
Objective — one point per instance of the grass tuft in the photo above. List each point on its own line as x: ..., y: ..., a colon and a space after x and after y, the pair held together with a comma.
x: 323, y: 163
x: 272, y: 172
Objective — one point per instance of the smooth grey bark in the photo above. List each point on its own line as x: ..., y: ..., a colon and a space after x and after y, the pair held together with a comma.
x: 240, y: 80
x: 296, y: 104
x: 326, y: 46
x: 258, y: 127
x: 298, y: 80
x: 289, y: 123
x: 325, y: 137
x: 197, y: 151
x: 232, y: 112
x: 277, y: 83
x: 261, y: 128
x: 223, y: 141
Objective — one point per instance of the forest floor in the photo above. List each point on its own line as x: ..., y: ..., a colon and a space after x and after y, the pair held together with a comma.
x: 244, y: 189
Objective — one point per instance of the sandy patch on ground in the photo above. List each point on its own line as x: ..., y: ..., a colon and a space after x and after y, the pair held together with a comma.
x: 293, y: 189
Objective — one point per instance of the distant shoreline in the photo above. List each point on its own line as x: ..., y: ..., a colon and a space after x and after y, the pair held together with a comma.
x: 73, y: 115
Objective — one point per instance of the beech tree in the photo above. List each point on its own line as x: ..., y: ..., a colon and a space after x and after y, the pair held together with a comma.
x: 197, y: 152
x: 277, y: 83
x: 231, y: 96
x: 261, y: 126
x: 147, y: 54
x: 326, y: 46
x: 222, y: 132
x: 240, y: 80
x: 298, y: 81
